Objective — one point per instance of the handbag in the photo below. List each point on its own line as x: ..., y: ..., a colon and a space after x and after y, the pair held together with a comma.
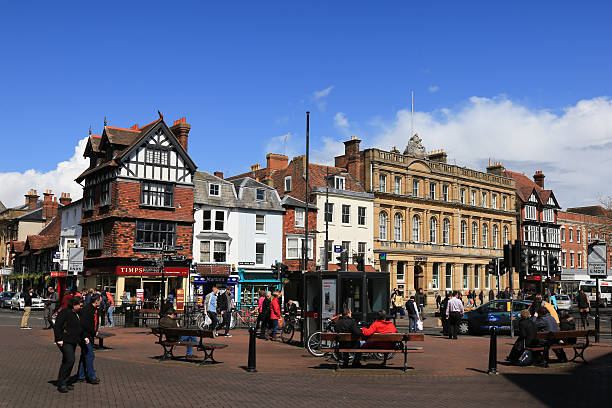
x: 420, y: 325
x: 207, y: 320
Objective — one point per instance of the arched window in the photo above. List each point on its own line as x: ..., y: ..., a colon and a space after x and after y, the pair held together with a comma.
x: 433, y: 230
x: 382, y: 225
x: 485, y: 235
x: 463, y: 233
x: 506, y: 237
x: 474, y: 234
x: 495, y: 235
x: 397, y: 227
x: 446, y: 231
x: 416, y: 229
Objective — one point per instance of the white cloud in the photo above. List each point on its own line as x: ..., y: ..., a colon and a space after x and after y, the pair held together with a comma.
x: 320, y: 97
x: 283, y: 144
x: 61, y: 179
x: 572, y: 147
x: 433, y: 88
x: 341, y: 121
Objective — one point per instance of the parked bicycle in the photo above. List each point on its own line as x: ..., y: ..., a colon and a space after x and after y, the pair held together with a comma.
x: 247, y: 317
x: 291, y: 324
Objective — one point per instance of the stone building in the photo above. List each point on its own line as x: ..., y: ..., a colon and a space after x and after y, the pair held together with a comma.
x: 436, y: 225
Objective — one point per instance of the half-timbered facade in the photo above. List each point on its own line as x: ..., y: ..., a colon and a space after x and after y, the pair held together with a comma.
x: 138, y: 198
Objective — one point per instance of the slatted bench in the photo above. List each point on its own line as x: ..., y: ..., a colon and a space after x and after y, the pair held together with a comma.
x: 378, y: 343
x: 552, y: 341
x: 101, y: 336
x: 144, y: 315
x: 177, y: 333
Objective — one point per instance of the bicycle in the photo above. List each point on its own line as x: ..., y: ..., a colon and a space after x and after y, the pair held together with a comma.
x: 248, y: 317
x: 290, y: 325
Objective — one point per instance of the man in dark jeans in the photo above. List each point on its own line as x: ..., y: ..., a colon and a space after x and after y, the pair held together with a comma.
x: 265, y: 312
x: 89, y: 325
x: 346, y: 324
x: 454, y: 311
x: 421, y: 300
x: 224, y: 308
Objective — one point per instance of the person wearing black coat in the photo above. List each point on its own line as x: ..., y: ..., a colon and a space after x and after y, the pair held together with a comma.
x: 265, y: 311
x: 346, y: 324
x: 68, y: 333
x: 442, y: 312
x: 89, y: 324
x: 526, y: 338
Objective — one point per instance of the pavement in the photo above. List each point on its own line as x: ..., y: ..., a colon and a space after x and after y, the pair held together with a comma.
x: 449, y: 373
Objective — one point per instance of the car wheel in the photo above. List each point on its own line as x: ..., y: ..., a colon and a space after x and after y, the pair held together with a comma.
x: 464, y: 327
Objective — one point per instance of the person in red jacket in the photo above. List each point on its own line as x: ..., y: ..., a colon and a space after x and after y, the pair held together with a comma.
x: 381, y: 325
x: 275, y: 314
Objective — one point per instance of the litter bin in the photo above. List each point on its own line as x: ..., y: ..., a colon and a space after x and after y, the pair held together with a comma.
x: 130, y: 311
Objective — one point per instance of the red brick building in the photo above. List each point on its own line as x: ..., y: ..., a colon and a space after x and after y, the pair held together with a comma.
x: 294, y: 231
x: 137, y: 197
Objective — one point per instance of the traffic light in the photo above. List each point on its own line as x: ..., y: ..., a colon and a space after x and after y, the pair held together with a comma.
x: 532, y: 260
x: 492, y: 267
x: 520, y: 259
x: 502, y: 266
x: 553, y: 265
x: 343, y: 259
x: 276, y: 270
x: 284, y: 270
x: 508, y: 255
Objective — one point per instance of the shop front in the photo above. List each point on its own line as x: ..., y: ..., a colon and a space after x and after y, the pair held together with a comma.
x: 251, y: 282
x: 202, y: 285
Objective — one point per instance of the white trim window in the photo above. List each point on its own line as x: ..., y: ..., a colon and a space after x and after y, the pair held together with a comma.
x: 504, y: 203
x: 562, y: 234
x: 261, y: 194
x: 214, y: 190
x: 208, y: 222
x: 446, y: 231
x: 463, y: 233
x: 260, y: 252
x: 415, y: 188
x: 433, y: 230
x: 579, y: 260
x: 476, y: 277
x: 346, y: 214
x: 495, y: 236
x: 105, y: 195
x: 571, y: 234
x: 398, y: 185
x: 506, y: 235
x: 361, y: 216
x: 382, y: 225
x: 400, y: 272
x: 448, y: 277
x: 339, y: 182
x: 530, y: 212
x: 485, y: 236
x: 219, y: 251
x: 473, y: 198
x: 445, y: 193
x: 578, y: 235
x: 484, y: 199
x: 361, y: 249
x: 382, y: 183
x: 299, y: 217
x: 329, y: 212
x: 494, y: 201
x: 288, y: 183
x: 397, y: 226
x: 294, y: 247
x: 157, y: 194
x: 462, y: 196
x: 474, y: 234
x: 432, y: 191
x: 571, y: 259
x: 435, y: 284
x: 416, y: 228
x: 564, y: 258
x: 548, y: 215
x: 466, y: 277
x: 95, y: 237
x: 260, y: 222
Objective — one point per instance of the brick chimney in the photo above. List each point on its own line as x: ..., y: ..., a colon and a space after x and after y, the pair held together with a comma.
x: 438, y: 155
x: 181, y: 129
x: 351, y: 147
x: 218, y: 174
x: 538, y: 177
x: 276, y: 161
x: 496, y: 168
x: 65, y: 199
x: 31, y: 199
x: 255, y: 167
x: 50, y: 206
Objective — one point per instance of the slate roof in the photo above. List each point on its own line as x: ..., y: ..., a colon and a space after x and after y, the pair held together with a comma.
x: 525, y: 186
x: 287, y: 200
x: 35, y: 215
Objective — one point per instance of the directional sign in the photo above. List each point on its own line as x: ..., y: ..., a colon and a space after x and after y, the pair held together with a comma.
x: 597, y: 259
x: 338, y: 248
x: 176, y: 257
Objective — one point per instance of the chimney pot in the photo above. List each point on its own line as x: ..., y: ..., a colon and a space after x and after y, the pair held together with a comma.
x: 31, y: 199
x: 538, y: 178
x: 218, y: 174
x: 276, y: 161
x: 180, y: 129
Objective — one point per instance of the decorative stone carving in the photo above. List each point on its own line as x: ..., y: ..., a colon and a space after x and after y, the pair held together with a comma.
x: 415, y: 147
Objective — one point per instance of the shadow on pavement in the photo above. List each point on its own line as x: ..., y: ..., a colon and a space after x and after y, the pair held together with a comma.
x: 584, y: 385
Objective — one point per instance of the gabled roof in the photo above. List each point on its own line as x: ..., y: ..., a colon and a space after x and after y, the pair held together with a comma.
x: 525, y: 187
x: 318, y: 173
x: 18, y: 246
x: 249, y: 183
x: 93, y: 145
x: 48, y: 237
x: 35, y: 215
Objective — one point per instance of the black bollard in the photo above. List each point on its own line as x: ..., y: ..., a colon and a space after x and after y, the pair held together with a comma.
x: 251, y: 367
x: 493, y: 352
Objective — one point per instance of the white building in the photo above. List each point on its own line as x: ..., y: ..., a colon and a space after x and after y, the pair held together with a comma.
x: 70, y: 237
x: 237, y: 235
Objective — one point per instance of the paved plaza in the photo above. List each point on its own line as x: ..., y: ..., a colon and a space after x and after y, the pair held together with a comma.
x: 449, y: 373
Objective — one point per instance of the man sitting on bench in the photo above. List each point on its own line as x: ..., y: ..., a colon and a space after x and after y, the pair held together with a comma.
x: 381, y: 325
x: 168, y: 322
x: 546, y: 323
x: 346, y: 324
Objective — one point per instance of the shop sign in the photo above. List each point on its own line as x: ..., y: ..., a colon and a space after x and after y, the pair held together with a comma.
x: 420, y: 258
x: 180, y: 298
x: 58, y: 274
x: 246, y: 263
x: 140, y: 294
x: 199, y: 280
x: 328, y: 298
x: 56, y: 256
x: 151, y: 270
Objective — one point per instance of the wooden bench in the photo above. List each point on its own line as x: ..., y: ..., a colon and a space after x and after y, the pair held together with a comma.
x: 145, y: 315
x: 551, y: 342
x: 177, y: 333
x: 377, y: 343
x: 101, y: 336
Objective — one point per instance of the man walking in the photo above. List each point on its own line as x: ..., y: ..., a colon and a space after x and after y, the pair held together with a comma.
x: 27, y: 308
x: 225, y: 305
x: 454, y: 311
x: 50, y: 307
x: 89, y: 325
x: 421, y: 300
x: 491, y: 295
x: 210, y: 306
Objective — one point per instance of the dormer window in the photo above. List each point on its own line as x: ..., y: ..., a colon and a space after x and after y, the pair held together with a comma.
x: 214, y: 190
x: 288, y: 183
x: 339, y: 183
x: 530, y: 212
x: 261, y: 194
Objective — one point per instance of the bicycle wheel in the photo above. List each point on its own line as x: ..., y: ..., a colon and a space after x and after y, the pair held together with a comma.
x: 200, y: 322
x: 287, y: 332
x: 313, y: 345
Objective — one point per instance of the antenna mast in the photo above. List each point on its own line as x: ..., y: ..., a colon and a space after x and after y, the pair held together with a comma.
x: 411, y: 113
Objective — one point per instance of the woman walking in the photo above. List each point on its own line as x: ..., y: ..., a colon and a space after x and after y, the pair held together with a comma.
x: 584, y: 307
x: 68, y: 333
x: 275, y: 314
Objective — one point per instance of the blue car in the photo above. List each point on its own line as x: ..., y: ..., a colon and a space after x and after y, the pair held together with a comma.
x: 5, y: 298
x: 493, y: 314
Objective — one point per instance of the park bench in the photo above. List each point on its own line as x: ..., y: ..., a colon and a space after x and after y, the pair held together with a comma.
x: 176, y: 333
x: 551, y: 342
x: 101, y: 336
x: 382, y: 339
x: 145, y: 315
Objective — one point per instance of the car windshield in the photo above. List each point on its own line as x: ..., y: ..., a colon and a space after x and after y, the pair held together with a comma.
x: 562, y: 297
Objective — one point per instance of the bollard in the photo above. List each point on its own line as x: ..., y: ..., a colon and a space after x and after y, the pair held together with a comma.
x: 493, y: 352
x: 251, y: 366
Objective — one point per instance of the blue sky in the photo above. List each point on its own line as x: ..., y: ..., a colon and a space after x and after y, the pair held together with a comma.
x: 244, y: 73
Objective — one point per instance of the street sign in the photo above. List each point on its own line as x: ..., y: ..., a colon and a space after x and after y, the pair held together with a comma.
x: 382, y: 256
x: 56, y: 256
x: 597, y: 259
x: 75, y: 260
x: 337, y: 248
x: 176, y: 257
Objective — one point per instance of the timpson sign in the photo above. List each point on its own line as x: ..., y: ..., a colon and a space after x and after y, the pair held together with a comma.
x: 150, y: 270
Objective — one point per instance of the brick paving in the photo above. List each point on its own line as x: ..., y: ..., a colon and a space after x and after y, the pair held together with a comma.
x: 449, y: 373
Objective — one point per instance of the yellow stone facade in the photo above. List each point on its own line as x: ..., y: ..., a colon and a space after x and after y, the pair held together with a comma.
x: 426, y: 226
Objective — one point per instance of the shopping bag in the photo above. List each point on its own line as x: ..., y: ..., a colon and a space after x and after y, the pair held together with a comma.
x: 207, y: 320
x: 420, y: 325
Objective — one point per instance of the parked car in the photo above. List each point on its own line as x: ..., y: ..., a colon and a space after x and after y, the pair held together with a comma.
x: 564, y: 302
x: 493, y: 314
x: 5, y: 298
x: 18, y: 302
